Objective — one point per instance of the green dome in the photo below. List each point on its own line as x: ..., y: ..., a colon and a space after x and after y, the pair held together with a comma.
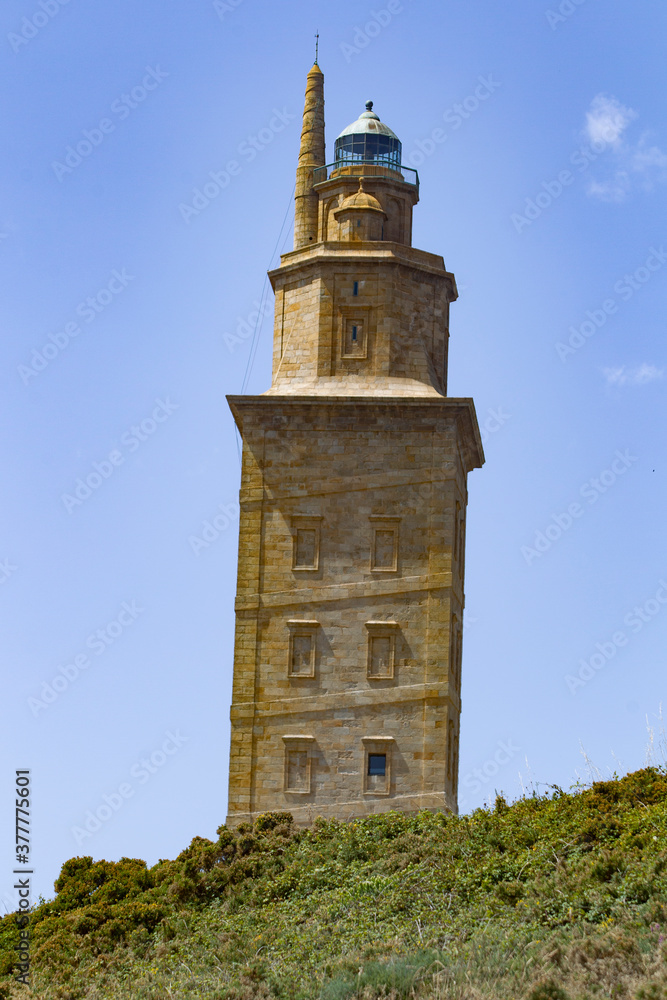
x: 368, y: 140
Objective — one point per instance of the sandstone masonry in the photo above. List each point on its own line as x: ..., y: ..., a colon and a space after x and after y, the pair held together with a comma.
x: 347, y: 670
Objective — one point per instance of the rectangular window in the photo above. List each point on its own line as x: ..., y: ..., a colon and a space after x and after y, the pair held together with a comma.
x: 306, y: 542
x: 354, y: 339
x: 377, y: 764
x: 355, y: 288
x: 377, y: 769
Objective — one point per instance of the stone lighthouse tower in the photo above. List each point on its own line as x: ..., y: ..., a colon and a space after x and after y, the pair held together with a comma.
x: 347, y: 668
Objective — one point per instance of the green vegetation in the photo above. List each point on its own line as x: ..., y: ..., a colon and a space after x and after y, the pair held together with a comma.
x: 558, y: 897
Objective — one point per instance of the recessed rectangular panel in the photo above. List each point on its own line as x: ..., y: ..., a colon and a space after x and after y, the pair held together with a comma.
x: 297, y: 771
x: 305, y: 556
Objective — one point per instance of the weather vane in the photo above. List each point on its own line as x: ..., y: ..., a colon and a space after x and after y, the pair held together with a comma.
x: 317, y: 46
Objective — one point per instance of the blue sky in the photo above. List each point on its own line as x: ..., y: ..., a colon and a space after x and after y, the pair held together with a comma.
x: 539, y: 134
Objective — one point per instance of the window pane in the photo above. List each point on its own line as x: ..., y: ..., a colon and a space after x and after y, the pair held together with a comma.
x: 369, y: 148
x: 377, y: 764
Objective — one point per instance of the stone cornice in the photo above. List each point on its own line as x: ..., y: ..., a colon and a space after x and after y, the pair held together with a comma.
x: 393, y: 254
x: 461, y: 409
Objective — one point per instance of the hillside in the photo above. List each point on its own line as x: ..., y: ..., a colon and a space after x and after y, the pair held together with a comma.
x: 560, y: 897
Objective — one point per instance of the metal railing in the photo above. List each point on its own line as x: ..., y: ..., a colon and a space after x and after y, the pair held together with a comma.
x: 363, y: 168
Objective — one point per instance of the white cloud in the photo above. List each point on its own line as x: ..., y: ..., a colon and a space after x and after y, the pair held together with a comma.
x: 627, y: 163
x: 632, y: 376
x: 607, y: 119
x: 614, y: 189
x: 649, y: 161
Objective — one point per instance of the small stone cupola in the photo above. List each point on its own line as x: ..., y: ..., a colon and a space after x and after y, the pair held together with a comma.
x: 360, y: 216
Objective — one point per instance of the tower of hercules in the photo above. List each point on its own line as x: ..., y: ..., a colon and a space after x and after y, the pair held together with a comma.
x: 347, y: 664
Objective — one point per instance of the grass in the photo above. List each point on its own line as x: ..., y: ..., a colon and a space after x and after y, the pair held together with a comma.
x: 556, y: 897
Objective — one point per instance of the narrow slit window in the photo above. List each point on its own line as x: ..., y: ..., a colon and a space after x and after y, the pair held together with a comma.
x: 354, y: 339
x: 355, y: 288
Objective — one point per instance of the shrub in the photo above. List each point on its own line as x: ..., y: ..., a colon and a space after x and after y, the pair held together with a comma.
x: 82, y: 881
x: 548, y: 990
x: 268, y: 821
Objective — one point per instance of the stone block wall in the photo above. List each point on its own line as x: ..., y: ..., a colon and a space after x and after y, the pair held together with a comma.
x: 346, y: 641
